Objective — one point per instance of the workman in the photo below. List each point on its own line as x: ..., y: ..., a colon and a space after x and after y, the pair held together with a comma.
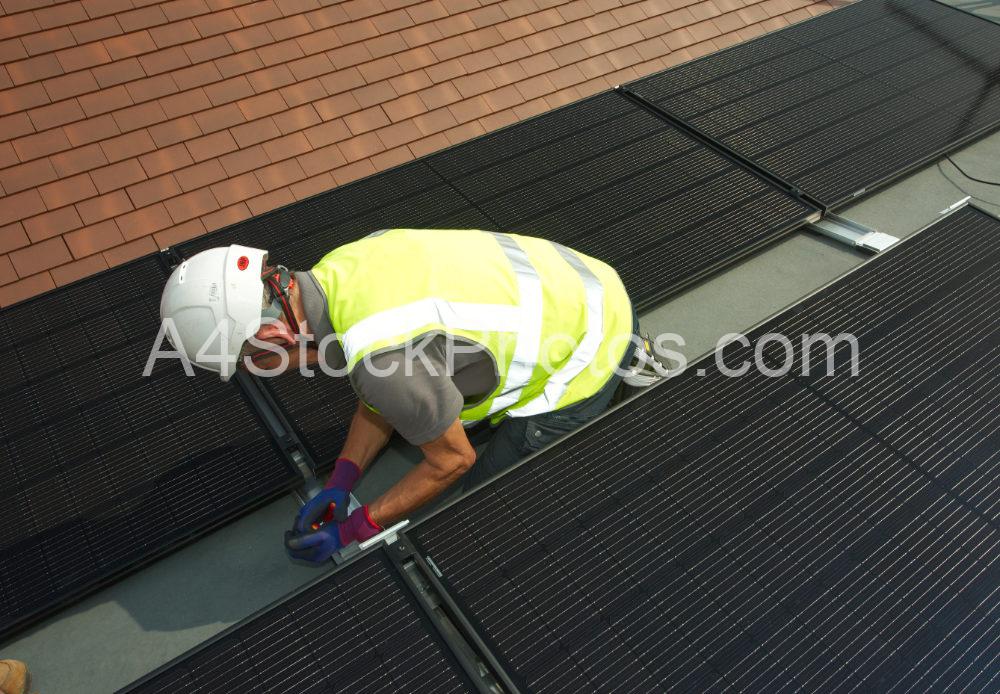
x: 437, y: 330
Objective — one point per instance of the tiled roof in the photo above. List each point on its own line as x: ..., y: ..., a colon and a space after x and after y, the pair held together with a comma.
x: 130, y: 125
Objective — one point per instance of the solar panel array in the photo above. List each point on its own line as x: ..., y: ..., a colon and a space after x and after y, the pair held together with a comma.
x: 846, y: 101
x: 102, y: 469
x: 131, y: 467
x: 929, y: 338
x: 609, y: 179
x: 356, y: 630
x: 768, y: 534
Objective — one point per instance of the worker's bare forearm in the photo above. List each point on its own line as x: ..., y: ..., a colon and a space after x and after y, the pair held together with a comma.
x: 367, y: 436
x: 446, y: 460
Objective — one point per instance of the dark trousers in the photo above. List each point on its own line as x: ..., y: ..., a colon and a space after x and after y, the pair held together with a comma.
x: 518, y: 437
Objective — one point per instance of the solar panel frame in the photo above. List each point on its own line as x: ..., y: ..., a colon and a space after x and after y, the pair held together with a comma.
x: 502, y: 532
x: 110, y: 437
x: 807, y: 40
x: 302, y: 610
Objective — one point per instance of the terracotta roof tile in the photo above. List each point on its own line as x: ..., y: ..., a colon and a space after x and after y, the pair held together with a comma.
x: 196, y: 76
x: 181, y: 9
x: 144, y: 222
x: 244, y: 160
x: 177, y: 130
x: 167, y: 59
x: 8, y: 157
x: 269, y: 201
x: 22, y: 98
x: 96, y: 29
x: 78, y: 269
x: 54, y: 223
x: 118, y: 175
x: 91, y: 130
x: 289, y: 27
x: 78, y: 160
x: 40, y: 256
x: 179, y: 233
x: 100, y: 8
x: 12, y: 236
x: 200, y: 175
x: 111, y: 99
x: 130, y: 145
x: 25, y: 288
x: 41, y: 144
x: 237, y: 189
x: 118, y: 72
x: 34, y: 69
x: 302, y: 92
x: 165, y: 160
x: 262, y: 105
x: 129, y: 251
x: 60, y: 15
x: 103, y: 207
x: 19, y: 24
x: 322, y: 159
x: 208, y: 49
x: 14, y: 49
x: 332, y: 93
x: 239, y: 64
x: 390, y: 158
x: 136, y: 117
x: 212, y: 145
x: 142, y: 18
x: 255, y: 132
x: 93, y: 239
x: 295, y: 119
x: 271, y: 78
x: 258, y: 12
x: 57, y: 114
x: 71, y: 85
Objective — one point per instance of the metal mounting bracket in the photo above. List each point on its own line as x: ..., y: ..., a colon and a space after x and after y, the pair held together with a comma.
x: 852, y: 233
x: 389, y: 536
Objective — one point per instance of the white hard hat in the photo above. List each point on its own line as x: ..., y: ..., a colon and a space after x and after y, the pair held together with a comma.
x: 214, y: 300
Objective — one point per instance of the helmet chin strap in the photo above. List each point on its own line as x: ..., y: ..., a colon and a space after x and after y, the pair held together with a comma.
x: 279, y: 280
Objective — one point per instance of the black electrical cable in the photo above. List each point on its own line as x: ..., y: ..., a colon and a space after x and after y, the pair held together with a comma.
x: 971, y: 178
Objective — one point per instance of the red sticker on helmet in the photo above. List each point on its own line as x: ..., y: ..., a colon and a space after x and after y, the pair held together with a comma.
x: 243, y: 263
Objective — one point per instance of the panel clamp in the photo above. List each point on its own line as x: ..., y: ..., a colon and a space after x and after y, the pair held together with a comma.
x: 389, y: 536
x: 852, y: 233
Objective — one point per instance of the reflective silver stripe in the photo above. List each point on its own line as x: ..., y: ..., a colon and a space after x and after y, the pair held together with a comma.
x: 452, y: 314
x: 529, y: 336
x: 586, y: 351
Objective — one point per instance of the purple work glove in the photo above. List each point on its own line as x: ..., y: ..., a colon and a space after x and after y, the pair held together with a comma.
x: 336, y: 495
x: 323, y: 526
x: 319, y: 545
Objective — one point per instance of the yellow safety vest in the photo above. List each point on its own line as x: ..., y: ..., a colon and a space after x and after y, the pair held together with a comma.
x: 556, y: 322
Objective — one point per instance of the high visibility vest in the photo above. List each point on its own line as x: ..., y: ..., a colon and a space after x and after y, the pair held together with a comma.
x: 556, y: 322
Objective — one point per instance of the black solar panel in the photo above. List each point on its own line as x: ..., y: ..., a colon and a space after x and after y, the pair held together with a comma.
x: 927, y: 319
x: 850, y: 100
x: 606, y: 177
x: 356, y: 630
x: 102, y: 469
x: 752, y: 533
